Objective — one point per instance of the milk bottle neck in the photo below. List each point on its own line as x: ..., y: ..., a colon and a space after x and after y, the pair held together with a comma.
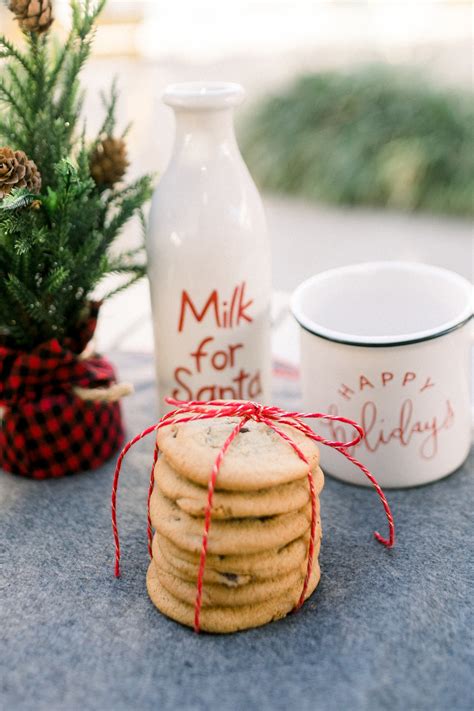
x: 204, y: 132
x: 204, y: 117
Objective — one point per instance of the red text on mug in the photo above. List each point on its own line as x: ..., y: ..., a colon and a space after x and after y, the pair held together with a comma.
x: 402, y: 424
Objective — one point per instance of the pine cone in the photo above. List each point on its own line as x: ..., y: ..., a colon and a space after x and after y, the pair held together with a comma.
x: 17, y: 171
x: 33, y: 15
x: 109, y: 161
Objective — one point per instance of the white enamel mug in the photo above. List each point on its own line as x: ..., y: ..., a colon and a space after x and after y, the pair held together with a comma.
x: 388, y: 344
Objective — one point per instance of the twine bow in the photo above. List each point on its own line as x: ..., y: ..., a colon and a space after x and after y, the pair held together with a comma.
x: 245, y: 411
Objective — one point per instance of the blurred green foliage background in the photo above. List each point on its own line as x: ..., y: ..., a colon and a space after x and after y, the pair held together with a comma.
x: 372, y: 137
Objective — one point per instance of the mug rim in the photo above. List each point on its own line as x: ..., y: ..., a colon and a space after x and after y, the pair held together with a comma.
x: 389, y: 340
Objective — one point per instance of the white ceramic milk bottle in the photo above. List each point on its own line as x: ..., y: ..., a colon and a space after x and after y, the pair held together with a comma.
x: 209, y: 257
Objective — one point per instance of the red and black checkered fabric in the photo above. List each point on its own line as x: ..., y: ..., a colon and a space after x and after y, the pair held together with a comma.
x: 45, y: 429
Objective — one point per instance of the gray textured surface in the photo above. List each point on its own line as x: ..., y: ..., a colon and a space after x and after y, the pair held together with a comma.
x: 384, y: 630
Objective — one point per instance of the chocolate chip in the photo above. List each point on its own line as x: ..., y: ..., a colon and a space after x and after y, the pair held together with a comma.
x: 244, y: 429
x: 231, y: 577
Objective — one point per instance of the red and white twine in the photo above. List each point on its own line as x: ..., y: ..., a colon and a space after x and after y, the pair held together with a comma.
x: 272, y: 417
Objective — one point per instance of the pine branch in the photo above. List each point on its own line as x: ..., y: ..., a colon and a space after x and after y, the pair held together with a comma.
x: 56, y: 279
x: 8, y: 98
x: 68, y: 95
x: 18, y: 198
x: 133, y: 198
x: 124, y: 286
x: 38, y: 54
x: 85, y: 16
x: 124, y: 257
x: 110, y: 104
x: 22, y: 245
x: 83, y: 31
x: 126, y: 269
x: 8, y: 50
x: 25, y: 298
x: 126, y: 130
x: 140, y: 185
x: 9, y: 135
x: 18, y: 85
x: 59, y: 61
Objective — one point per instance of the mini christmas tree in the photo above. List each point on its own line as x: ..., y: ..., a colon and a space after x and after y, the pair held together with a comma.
x: 63, y: 202
x: 62, y: 199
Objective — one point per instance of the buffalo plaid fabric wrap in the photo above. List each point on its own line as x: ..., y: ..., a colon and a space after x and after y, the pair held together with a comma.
x: 46, y: 430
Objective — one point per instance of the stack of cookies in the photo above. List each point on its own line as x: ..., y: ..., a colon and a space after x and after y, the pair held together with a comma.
x: 261, y: 516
